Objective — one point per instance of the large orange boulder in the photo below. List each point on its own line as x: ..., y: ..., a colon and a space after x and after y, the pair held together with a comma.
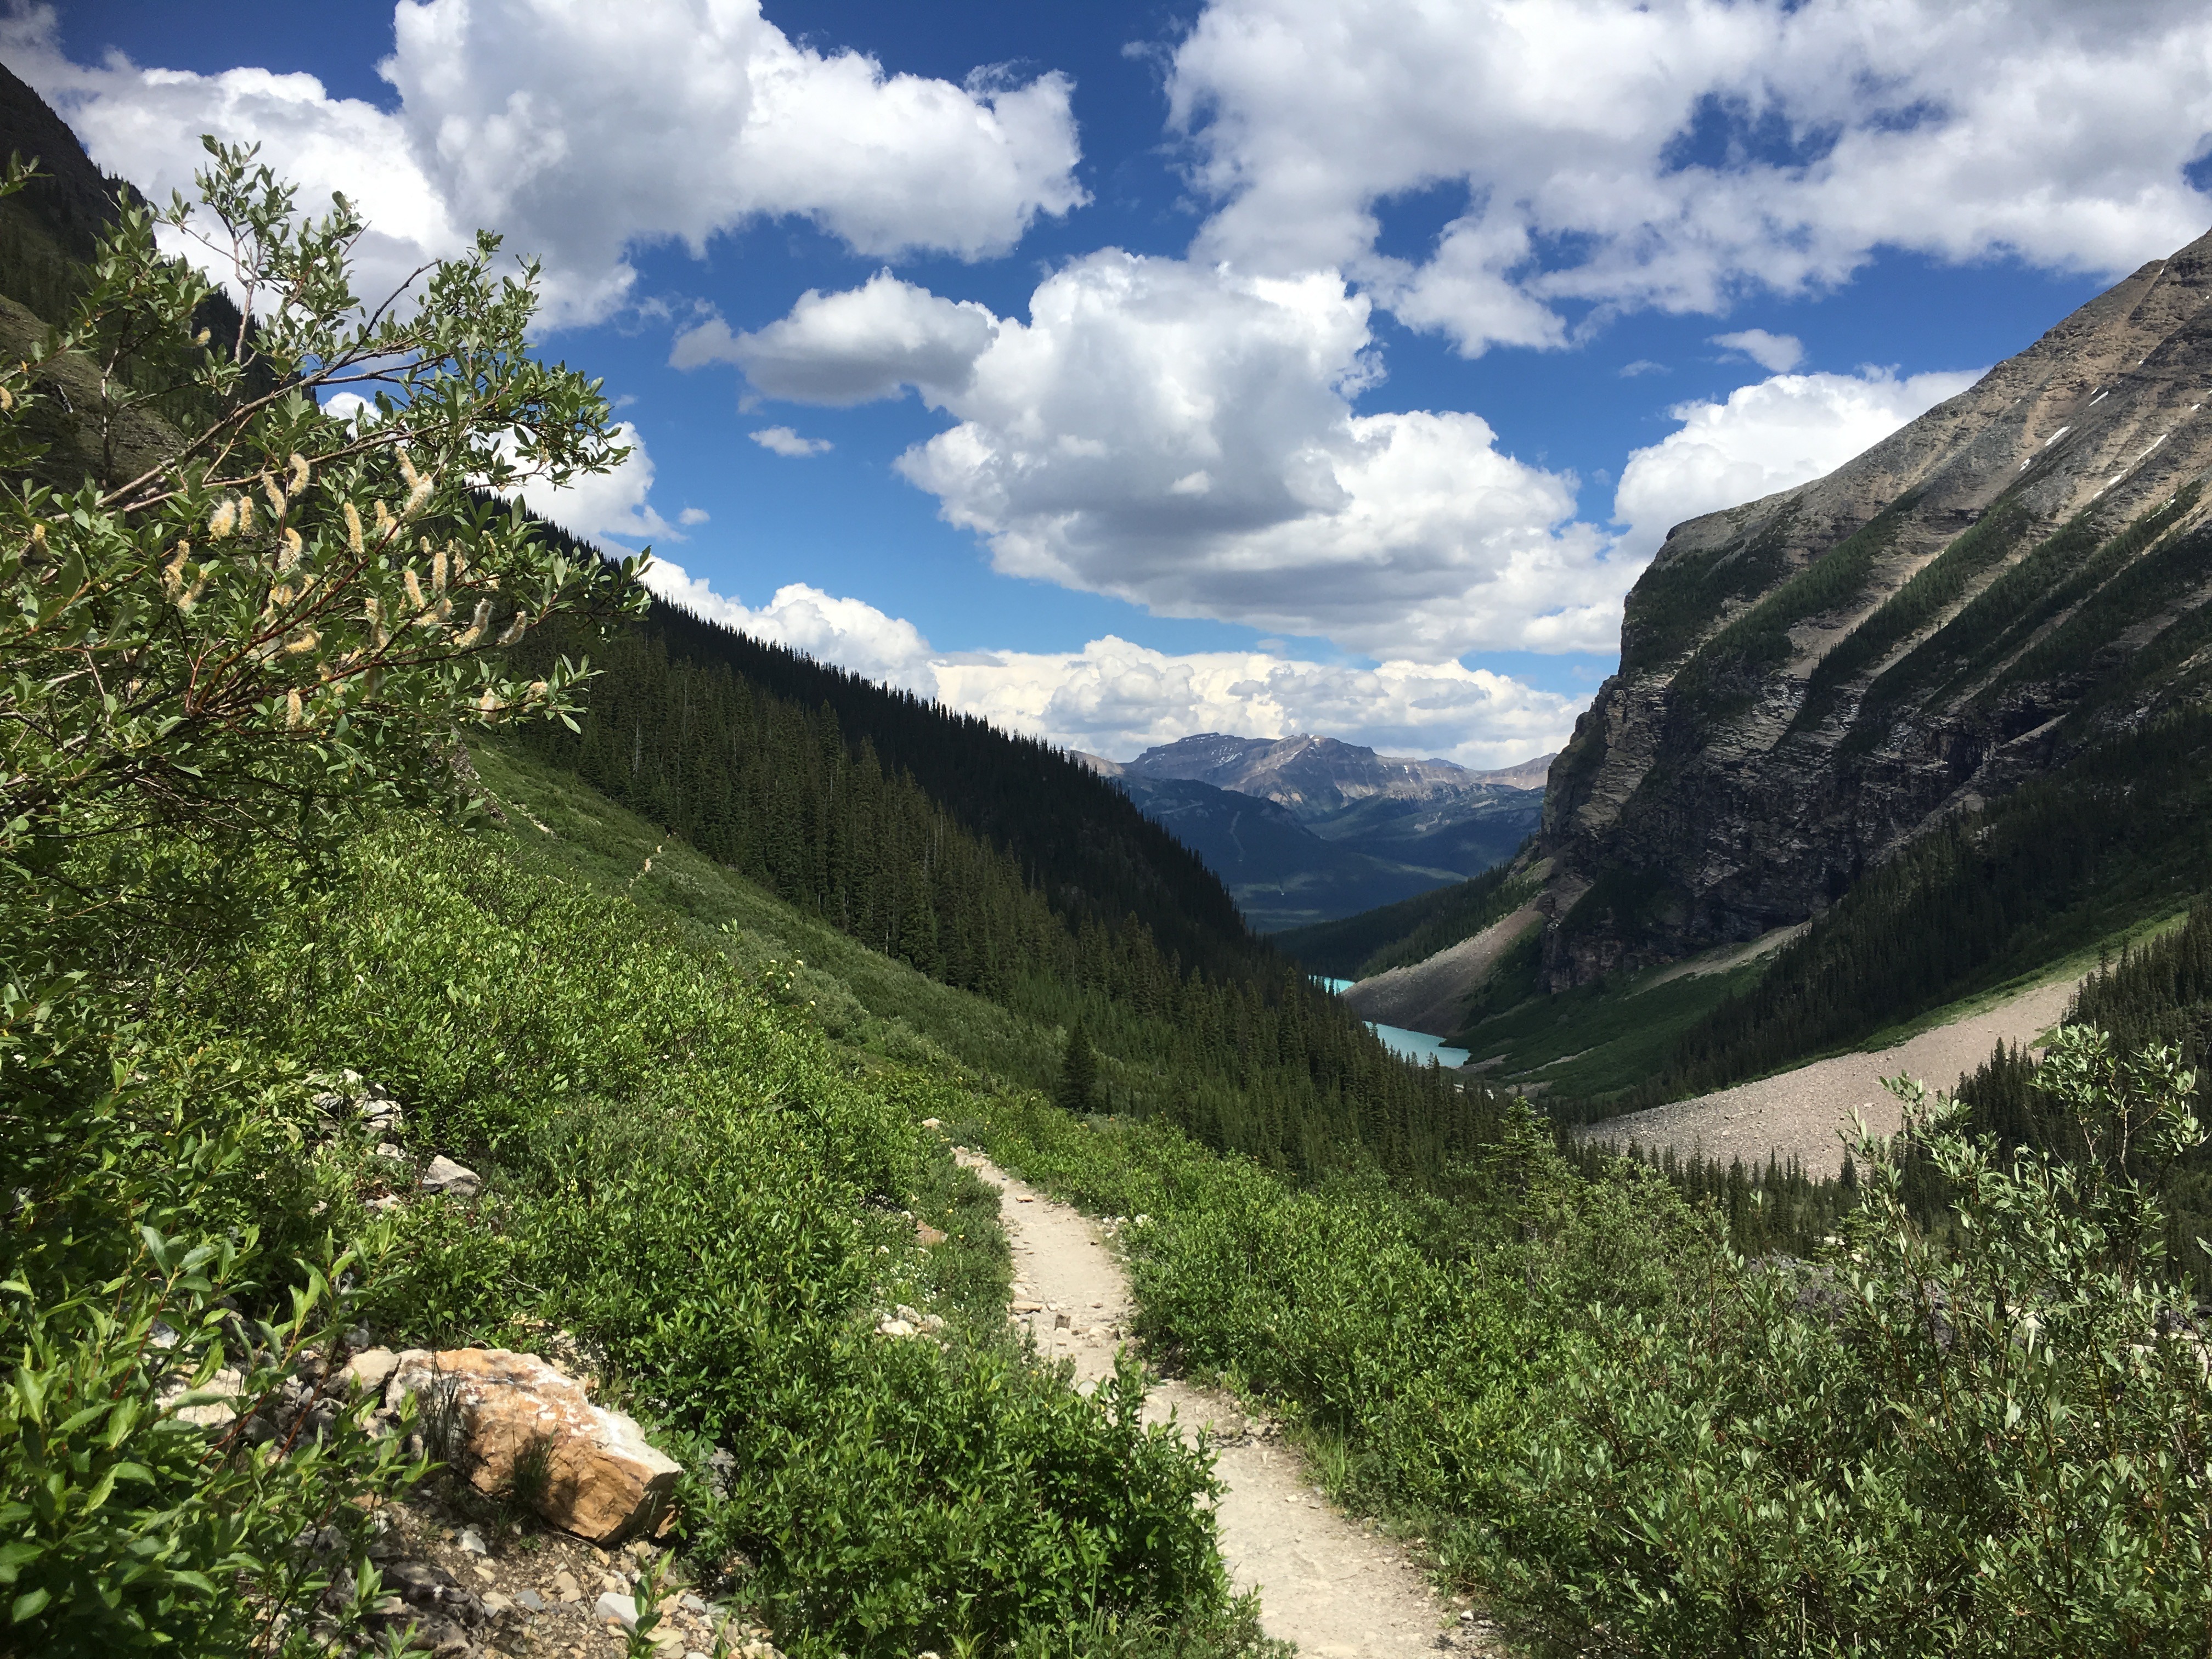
x: 518, y: 1425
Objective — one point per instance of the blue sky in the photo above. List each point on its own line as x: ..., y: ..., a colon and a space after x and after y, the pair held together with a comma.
x: 1257, y: 365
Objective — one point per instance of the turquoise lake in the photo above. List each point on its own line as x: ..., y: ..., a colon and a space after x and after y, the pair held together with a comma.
x: 1417, y: 1046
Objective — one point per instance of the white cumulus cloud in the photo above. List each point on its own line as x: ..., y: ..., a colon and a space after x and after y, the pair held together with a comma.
x: 850, y: 347
x: 1765, y: 437
x: 850, y: 633
x: 1778, y: 354
x: 1629, y: 153
x: 1116, y: 698
x: 580, y: 131
x: 1182, y: 437
x: 782, y: 440
x: 607, y: 504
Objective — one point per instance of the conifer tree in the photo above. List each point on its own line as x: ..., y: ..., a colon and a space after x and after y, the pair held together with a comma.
x: 1078, y: 1073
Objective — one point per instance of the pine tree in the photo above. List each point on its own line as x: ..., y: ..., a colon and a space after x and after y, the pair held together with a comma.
x: 1078, y: 1073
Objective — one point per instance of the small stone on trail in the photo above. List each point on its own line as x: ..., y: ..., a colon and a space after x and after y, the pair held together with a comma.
x: 472, y: 1541
x: 444, y: 1176
x: 528, y: 1600
x: 566, y: 1586
x: 621, y: 1609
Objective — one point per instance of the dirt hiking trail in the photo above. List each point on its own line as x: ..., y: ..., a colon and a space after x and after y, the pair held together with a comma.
x: 1334, y: 1586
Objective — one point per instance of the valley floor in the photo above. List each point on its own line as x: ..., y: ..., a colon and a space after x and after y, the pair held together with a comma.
x: 1338, y: 1588
x: 1798, y: 1114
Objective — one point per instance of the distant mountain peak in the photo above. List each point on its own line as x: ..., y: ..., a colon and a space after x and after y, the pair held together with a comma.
x: 1314, y: 775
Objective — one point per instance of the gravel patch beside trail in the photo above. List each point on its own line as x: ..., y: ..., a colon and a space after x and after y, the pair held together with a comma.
x: 1336, y: 1587
x: 1797, y: 1113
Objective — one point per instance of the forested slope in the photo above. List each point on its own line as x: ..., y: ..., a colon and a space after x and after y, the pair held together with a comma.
x: 698, y: 730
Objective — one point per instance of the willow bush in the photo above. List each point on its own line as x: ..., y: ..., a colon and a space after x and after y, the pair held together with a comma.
x: 1994, y: 1442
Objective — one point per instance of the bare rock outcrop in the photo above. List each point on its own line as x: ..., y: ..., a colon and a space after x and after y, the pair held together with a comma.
x: 1810, y: 680
x: 587, y: 1469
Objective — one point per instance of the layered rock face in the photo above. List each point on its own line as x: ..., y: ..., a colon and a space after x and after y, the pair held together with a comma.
x: 1811, y: 679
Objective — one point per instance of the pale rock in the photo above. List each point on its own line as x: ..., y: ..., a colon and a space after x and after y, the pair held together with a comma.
x: 496, y: 1603
x: 605, y: 1480
x: 226, y: 1386
x: 371, y: 1369
x: 622, y: 1609
x: 565, y: 1587
x: 472, y: 1541
x: 444, y: 1176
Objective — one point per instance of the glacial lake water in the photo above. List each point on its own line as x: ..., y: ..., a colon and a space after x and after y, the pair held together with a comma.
x: 1417, y: 1046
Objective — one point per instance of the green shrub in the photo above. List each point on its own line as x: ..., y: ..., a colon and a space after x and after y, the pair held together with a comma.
x: 1994, y: 1447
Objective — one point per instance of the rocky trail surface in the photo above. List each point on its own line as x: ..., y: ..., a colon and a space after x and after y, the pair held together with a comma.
x: 1797, y: 1114
x: 1338, y: 1588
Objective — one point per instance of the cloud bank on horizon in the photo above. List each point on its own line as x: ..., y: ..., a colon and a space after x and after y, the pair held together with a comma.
x: 1184, y: 430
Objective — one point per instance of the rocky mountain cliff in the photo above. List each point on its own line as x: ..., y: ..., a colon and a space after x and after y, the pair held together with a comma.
x: 1809, y: 680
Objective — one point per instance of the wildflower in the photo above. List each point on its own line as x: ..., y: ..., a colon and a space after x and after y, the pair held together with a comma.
x: 295, y: 712
x: 172, y: 573
x: 299, y: 473
x: 307, y: 642
x: 224, y: 519
x: 438, y: 571
x: 293, y: 548
x: 418, y: 486
x: 415, y: 590
x: 513, y: 630
x: 475, y: 631
x: 354, y: 540
x: 246, y: 515
x: 383, y: 520
x: 6, y: 400
x: 271, y: 488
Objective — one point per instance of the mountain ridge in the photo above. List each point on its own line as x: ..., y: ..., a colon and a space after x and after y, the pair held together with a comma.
x: 1307, y: 830
x: 1810, y: 680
